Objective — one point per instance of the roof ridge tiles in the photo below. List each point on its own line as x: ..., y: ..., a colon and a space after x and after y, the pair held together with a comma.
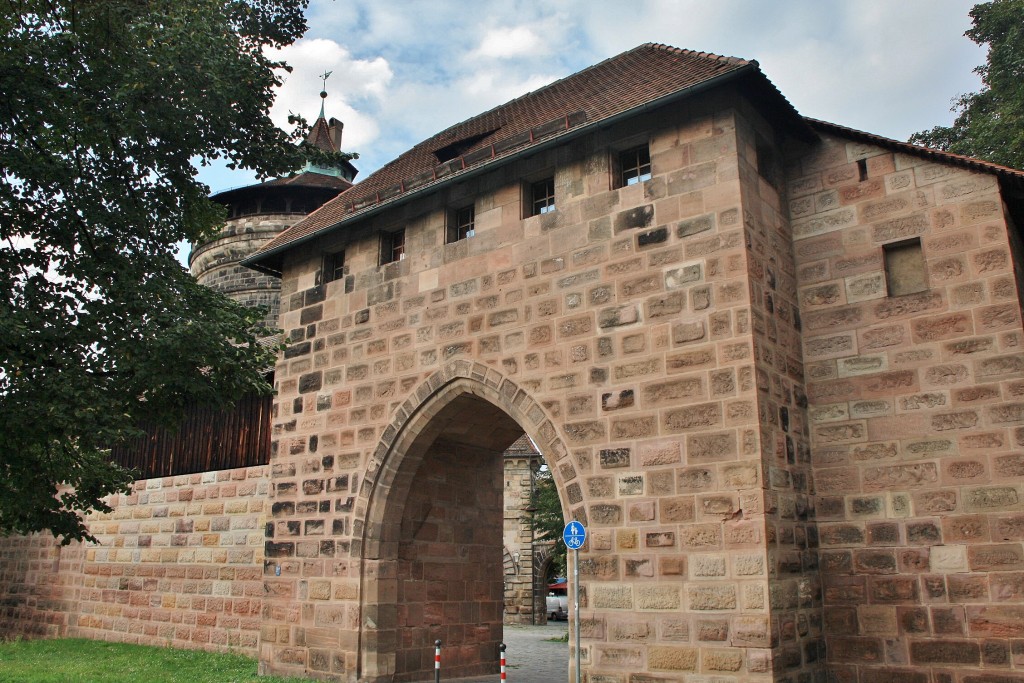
x: 732, y: 61
x: 707, y: 55
x: 534, y: 92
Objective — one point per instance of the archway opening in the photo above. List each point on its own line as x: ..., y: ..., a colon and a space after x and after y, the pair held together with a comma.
x: 441, y: 539
x: 524, y: 549
x: 551, y: 597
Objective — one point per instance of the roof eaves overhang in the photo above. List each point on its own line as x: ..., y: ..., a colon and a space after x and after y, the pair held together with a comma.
x: 1010, y: 178
x: 269, y: 261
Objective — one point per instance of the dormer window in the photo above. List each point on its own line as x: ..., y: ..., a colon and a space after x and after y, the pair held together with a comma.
x: 460, y: 147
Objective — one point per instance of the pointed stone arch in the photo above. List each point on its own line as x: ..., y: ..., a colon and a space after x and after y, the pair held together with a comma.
x: 510, y: 565
x: 542, y: 560
x: 467, y: 404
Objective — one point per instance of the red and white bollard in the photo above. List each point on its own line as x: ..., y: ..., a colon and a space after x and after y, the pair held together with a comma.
x: 437, y: 661
x: 503, y: 661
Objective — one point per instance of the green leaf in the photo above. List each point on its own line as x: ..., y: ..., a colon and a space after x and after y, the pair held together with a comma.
x: 546, y: 518
x: 105, y: 106
x: 990, y: 123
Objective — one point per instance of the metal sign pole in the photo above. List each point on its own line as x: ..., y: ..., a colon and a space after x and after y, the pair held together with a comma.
x: 575, y: 535
x: 576, y: 605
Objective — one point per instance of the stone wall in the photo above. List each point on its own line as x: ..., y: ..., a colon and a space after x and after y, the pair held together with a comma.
x: 452, y: 572
x: 916, y: 414
x: 793, y: 590
x: 618, y: 332
x: 525, y: 589
x: 179, y: 562
x: 216, y: 263
x: 37, y: 580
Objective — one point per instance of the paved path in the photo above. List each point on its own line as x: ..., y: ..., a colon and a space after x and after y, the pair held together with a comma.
x: 531, y: 655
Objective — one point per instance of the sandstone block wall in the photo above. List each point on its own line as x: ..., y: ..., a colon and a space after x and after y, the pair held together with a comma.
x: 37, y: 579
x: 916, y: 415
x: 790, y: 535
x: 216, y: 263
x: 452, y: 572
x: 619, y: 332
x: 525, y: 584
x: 179, y: 562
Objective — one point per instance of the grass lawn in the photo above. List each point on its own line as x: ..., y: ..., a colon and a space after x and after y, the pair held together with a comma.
x: 92, y: 661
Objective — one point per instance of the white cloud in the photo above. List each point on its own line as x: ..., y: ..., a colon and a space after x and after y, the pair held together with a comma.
x: 352, y: 82
x: 887, y: 68
x: 510, y: 42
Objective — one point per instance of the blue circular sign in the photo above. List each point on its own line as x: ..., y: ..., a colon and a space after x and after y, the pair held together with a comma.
x: 574, y: 535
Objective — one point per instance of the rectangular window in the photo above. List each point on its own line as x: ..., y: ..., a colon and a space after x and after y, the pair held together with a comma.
x: 542, y: 197
x: 392, y: 247
x: 634, y: 166
x: 461, y: 223
x: 334, y: 266
x: 905, y: 268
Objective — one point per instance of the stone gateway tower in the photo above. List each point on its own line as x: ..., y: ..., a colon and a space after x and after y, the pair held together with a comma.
x: 774, y: 364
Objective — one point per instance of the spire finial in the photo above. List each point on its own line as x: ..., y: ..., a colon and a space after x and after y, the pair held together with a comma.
x: 323, y: 93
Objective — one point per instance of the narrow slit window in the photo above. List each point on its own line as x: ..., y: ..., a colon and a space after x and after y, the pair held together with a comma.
x: 862, y: 169
x: 334, y: 266
x: 542, y: 197
x: 767, y: 162
x: 392, y: 247
x: 635, y: 166
x: 905, y: 268
x: 462, y: 223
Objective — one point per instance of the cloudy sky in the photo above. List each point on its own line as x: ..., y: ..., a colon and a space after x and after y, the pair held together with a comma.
x: 404, y: 70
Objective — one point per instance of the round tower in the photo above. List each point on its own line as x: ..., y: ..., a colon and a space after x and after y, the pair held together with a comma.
x: 258, y: 213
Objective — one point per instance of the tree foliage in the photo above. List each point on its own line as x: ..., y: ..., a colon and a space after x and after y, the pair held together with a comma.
x: 546, y: 518
x: 990, y: 123
x: 106, y: 106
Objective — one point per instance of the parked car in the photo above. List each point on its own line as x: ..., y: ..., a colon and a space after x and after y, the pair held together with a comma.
x: 558, y: 600
x: 558, y: 607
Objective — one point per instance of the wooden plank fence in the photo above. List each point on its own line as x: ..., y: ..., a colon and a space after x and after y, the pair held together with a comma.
x: 207, y: 439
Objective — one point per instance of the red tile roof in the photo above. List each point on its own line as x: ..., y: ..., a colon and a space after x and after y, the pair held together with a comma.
x: 523, y: 446
x: 622, y: 85
x: 302, y: 179
x: 320, y: 136
x: 311, y: 179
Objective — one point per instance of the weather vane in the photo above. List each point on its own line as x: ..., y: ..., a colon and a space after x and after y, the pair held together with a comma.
x: 325, y: 75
